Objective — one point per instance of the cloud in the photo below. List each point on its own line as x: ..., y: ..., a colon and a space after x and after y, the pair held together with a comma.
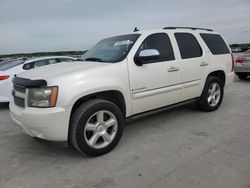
x: 48, y: 25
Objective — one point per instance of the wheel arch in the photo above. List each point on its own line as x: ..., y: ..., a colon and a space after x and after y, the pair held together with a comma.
x: 219, y: 74
x: 114, y: 96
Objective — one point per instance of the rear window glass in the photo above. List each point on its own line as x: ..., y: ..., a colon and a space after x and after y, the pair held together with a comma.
x: 188, y: 45
x: 215, y: 43
x: 3, y: 63
x: 11, y: 64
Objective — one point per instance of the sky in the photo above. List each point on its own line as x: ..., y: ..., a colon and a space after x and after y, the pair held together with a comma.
x: 55, y: 25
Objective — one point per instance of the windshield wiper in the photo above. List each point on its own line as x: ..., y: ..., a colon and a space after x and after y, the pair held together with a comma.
x: 93, y: 59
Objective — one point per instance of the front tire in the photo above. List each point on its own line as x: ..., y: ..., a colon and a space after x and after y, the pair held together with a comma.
x: 212, y: 95
x: 96, y: 127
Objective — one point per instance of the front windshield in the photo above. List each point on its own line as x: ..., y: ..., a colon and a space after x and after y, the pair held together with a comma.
x: 112, y: 49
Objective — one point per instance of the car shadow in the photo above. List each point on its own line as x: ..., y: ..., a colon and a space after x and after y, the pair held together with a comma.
x: 4, y: 105
x: 38, y: 147
x: 236, y: 78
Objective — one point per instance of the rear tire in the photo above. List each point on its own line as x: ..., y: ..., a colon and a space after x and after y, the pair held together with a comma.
x: 242, y: 76
x: 212, y: 95
x: 96, y: 127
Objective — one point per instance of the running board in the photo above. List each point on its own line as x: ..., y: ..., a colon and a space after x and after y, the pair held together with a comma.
x: 151, y: 112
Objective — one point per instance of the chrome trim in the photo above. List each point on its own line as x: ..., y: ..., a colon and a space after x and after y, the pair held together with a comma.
x: 165, y: 89
x: 191, y: 83
x: 156, y: 91
x: 19, y: 94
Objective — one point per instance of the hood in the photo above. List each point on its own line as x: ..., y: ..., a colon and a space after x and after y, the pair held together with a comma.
x: 55, y: 70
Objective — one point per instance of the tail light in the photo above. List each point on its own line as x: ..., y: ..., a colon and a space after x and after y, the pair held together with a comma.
x: 5, y: 77
x: 232, y: 69
x: 240, y: 60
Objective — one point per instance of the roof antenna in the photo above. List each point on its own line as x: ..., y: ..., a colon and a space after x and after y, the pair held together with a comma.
x: 136, y: 29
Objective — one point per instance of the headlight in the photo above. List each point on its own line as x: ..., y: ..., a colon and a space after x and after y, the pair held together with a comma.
x: 42, y: 97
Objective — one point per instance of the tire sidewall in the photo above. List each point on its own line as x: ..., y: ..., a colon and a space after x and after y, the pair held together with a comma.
x: 209, y: 82
x: 81, y: 123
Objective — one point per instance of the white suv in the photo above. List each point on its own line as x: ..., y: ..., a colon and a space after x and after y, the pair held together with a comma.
x: 124, y: 77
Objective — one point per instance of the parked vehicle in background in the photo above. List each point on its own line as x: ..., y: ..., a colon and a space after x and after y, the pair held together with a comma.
x: 236, y: 50
x: 122, y: 77
x: 242, y: 65
x: 5, y: 62
x: 12, y: 67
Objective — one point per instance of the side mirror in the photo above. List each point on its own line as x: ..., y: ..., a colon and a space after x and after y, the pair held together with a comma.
x: 146, y: 55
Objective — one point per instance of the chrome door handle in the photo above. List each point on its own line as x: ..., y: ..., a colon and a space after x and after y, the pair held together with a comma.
x: 203, y: 64
x: 173, y: 69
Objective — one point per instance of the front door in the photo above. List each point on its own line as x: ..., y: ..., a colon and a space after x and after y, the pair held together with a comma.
x: 156, y: 83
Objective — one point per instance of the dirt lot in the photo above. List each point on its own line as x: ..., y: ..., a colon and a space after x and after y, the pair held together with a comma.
x: 178, y: 148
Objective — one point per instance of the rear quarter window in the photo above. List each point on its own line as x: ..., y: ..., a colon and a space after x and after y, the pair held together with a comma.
x: 215, y: 43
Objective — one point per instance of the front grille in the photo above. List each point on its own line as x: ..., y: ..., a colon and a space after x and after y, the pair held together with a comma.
x: 19, y: 101
x: 19, y: 88
x: 18, y: 93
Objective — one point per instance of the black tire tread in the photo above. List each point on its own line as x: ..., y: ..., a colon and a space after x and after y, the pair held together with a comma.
x: 82, y: 109
x: 202, y: 102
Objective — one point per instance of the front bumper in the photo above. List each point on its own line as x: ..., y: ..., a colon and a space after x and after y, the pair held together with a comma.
x: 45, y: 123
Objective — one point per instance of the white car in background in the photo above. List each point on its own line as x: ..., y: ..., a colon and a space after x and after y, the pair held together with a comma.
x: 7, y: 71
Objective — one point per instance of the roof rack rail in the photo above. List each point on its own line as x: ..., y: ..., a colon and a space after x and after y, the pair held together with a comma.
x: 193, y: 28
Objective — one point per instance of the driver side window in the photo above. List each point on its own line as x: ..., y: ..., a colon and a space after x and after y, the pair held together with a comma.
x: 160, y: 42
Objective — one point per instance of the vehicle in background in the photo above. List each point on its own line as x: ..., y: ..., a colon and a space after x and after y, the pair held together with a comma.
x: 242, y: 65
x: 12, y: 67
x: 5, y: 62
x: 236, y: 50
x: 122, y: 77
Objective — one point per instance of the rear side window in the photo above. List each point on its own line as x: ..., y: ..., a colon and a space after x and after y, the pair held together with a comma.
x: 188, y: 45
x: 45, y: 62
x: 66, y: 60
x: 160, y: 42
x: 215, y: 43
x: 41, y: 63
x: 28, y: 66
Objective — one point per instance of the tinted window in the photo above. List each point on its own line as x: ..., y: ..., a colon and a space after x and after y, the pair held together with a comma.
x: 3, y: 63
x: 45, y: 62
x: 188, y: 45
x: 53, y: 61
x: 215, y: 43
x: 66, y: 60
x: 41, y: 63
x: 11, y: 64
x: 28, y: 66
x: 160, y: 42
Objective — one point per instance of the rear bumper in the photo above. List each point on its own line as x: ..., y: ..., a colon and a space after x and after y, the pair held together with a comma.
x: 5, y: 90
x: 48, y: 124
x: 242, y: 68
x: 4, y: 99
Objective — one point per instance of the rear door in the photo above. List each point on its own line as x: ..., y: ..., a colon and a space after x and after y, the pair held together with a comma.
x: 193, y: 64
x: 156, y: 83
